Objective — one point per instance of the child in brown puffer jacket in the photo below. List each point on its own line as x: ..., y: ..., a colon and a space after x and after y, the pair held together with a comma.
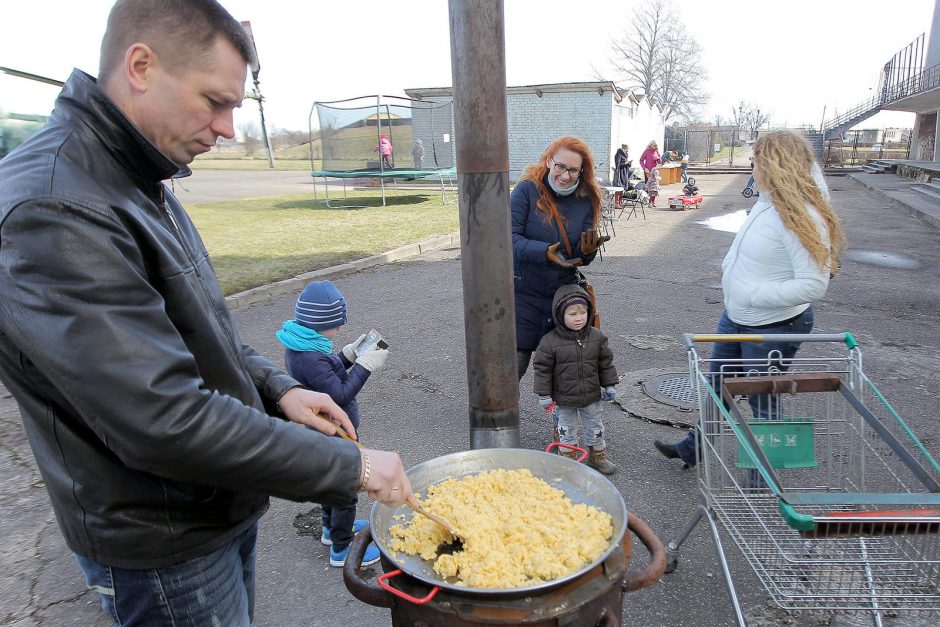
x: 574, y: 368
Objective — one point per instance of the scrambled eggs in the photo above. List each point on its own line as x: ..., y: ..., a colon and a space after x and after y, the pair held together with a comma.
x: 516, y: 530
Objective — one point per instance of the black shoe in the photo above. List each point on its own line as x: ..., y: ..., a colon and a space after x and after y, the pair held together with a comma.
x: 668, y: 450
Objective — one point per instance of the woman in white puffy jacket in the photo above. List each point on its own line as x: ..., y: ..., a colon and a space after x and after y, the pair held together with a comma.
x: 780, y: 262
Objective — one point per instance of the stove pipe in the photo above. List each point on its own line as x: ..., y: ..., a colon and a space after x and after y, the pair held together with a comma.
x: 478, y: 63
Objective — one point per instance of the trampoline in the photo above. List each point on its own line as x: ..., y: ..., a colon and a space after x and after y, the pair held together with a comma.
x: 347, y: 145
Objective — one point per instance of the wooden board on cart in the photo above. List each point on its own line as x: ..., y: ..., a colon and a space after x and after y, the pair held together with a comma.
x: 670, y: 174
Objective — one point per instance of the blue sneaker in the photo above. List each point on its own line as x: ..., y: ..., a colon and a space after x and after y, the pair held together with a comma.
x: 358, y: 526
x: 338, y: 558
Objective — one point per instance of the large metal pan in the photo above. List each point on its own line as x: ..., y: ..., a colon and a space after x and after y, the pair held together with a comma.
x: 580, y: 483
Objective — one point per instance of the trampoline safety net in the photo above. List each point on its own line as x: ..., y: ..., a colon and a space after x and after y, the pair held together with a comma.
x: 421, y: 133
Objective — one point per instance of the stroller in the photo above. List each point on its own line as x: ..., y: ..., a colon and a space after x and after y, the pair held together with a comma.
x: 635, y: 191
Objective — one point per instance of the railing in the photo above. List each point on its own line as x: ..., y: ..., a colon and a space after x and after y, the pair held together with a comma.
x: 871, y: 104
x: 923, y: 81
x: 926, y: 80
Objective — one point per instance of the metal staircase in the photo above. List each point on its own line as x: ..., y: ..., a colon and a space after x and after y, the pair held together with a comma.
x: 860, y: 113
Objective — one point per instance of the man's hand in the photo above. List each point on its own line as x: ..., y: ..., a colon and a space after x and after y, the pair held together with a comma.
x: 349, y: 351
x: 556, y: 256
x: 387, y: 482
x: 309, y: 408
x: 590, y: 242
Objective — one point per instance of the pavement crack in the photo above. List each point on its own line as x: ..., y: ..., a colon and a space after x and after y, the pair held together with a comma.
x: 678, y: 424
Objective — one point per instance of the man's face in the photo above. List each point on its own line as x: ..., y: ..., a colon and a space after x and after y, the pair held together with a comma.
x: 186, y: 109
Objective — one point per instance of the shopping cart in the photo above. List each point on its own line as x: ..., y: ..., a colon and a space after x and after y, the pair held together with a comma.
x: 827, y: 492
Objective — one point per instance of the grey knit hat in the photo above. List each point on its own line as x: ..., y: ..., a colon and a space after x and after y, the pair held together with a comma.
x: 320, y: 306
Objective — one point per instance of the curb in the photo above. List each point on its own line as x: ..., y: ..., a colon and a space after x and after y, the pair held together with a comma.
x: 295, y: 284
x: 930, y: 218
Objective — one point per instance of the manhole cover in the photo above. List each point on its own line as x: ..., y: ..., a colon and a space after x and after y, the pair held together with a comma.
x: 672, y: 389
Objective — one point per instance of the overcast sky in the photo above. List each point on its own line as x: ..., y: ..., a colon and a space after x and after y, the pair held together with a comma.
x: 793, y: 57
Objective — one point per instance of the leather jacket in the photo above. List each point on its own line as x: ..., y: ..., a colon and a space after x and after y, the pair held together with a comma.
x: 145, y: 412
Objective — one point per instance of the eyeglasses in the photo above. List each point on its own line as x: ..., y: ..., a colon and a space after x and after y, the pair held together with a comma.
x: 560, y: 168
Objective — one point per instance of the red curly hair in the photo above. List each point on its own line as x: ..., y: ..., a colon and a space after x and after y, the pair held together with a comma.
x: 587, y: 182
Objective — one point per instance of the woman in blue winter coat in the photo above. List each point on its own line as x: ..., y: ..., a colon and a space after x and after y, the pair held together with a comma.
x: 556, y: 207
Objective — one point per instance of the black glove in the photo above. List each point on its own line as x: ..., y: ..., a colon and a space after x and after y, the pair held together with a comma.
x: 556, y: 256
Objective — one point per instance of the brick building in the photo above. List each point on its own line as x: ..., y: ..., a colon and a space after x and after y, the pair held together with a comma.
x: 597, y: 112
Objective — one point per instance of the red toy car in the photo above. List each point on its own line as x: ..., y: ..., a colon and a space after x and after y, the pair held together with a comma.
x: 689, y: 197
x: 684, y: 202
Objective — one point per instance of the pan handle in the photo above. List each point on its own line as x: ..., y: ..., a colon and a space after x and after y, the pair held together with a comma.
x: 387, y: 587
x: 357, y: 586
x: 584, y: 454
x: 657, y: 566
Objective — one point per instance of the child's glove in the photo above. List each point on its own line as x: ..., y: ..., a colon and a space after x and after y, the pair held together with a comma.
x: 545, y: 402
x: 609, y: 393
x: 373, y: 359
x: 349, y: 351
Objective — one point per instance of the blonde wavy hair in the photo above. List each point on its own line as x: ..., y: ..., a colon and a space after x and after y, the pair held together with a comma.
x: 784, y: 160
x: 587, y: 182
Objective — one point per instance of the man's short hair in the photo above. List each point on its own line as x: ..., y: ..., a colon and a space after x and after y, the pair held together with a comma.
x: 179, y: 31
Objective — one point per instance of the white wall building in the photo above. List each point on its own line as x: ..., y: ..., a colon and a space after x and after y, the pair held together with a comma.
x: 597, y: 112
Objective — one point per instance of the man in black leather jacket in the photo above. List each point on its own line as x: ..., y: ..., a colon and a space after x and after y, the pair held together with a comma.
x: 150, y: 421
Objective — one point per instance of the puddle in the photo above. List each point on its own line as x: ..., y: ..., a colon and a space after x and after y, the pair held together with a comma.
x: 886, y: 260
x: 727, y: 222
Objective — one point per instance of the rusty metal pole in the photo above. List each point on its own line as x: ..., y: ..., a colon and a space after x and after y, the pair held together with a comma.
x: 478, y: 63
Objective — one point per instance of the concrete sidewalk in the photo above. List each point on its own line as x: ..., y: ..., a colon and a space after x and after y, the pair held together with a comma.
x: 897, y: 191
x: 659, y: 277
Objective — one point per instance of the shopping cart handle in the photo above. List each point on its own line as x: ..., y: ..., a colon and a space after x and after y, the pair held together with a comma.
x: 689, y: 338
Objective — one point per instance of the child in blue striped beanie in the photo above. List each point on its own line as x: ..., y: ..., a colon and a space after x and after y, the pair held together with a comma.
x: 308, y: 340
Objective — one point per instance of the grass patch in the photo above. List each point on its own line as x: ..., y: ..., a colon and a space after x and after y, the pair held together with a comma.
x: 257, y: 241
x: 247, y: 163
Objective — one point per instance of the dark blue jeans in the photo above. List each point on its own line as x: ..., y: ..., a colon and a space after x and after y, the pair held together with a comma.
x: 340, y: 521
x: 214, y: 589
x: 762, y: 406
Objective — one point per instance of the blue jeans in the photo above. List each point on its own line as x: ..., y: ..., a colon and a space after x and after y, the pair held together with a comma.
x: 684, y: 172
x: 214, y: 589
x: 340, y: 521
x: 762, y: 406
x: 591, y: 418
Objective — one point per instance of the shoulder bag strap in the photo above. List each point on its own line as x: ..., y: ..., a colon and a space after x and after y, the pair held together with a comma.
x: 564, y: 236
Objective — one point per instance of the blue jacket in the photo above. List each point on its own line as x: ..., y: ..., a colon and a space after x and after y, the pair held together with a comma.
x: 327, y: 373
x: 537, y: 278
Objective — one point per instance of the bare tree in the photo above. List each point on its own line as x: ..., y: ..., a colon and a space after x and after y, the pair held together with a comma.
x: 251, y: 137
x: 658, y: 55
x: 749, y: 117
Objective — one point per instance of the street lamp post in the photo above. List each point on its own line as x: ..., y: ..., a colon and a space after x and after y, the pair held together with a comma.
x: 256, y: 92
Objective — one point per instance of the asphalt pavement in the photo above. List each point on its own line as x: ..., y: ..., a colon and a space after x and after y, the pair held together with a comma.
x: 659, y: 277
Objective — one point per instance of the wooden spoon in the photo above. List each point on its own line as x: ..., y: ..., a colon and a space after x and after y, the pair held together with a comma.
x: 443, y: 522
